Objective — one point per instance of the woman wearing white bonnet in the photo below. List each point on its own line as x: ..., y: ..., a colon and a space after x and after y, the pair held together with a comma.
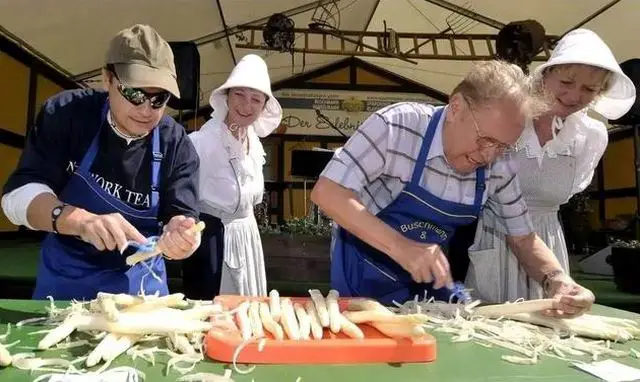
x: 230, y: 259
x: 557, y: 155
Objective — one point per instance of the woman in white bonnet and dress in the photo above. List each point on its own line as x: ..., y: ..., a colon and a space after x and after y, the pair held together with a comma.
x: 557, y: 154
x: 230, y: 259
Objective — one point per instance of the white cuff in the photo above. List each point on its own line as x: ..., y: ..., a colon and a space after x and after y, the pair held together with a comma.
x: 16, y: 202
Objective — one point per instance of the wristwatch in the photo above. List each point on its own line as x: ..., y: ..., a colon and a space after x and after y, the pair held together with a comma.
x: 55, y: 214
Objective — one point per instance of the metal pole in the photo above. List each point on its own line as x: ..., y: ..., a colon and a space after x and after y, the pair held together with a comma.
x: 636, y: 149
x: 468, y: 13
x: 593, y: 15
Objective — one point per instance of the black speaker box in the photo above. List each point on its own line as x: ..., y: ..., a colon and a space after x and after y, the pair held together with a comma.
x: 187, y: 61
x: 309, y: 163
x: 632, y: 69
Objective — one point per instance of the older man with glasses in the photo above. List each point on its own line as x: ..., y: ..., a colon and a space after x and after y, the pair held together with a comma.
x: 412, y: 174
x: 104, y: 168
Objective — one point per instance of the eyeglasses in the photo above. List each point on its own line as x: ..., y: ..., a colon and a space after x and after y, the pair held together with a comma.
x: 138, y: 96
x: 486, y: 142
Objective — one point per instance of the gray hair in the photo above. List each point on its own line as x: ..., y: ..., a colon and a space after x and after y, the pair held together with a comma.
x: 496, y: 81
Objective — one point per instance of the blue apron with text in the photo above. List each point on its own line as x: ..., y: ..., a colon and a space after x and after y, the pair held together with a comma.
x: 358, y: 269
x: 73, y: 269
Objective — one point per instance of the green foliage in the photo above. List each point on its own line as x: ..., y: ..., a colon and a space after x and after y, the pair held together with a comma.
x: 300, y: 226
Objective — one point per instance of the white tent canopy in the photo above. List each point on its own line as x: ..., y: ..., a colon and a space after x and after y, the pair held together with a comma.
x: 74, y: 34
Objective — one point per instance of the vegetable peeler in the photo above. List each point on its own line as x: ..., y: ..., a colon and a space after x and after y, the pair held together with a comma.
x: 150, y: 248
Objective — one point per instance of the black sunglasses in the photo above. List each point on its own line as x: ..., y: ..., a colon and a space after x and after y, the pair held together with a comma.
x: 138, y: 96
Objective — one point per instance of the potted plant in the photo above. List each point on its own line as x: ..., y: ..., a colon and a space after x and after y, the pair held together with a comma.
x: 297, y: 250
x: 575, y: 218
x: 625, y: 261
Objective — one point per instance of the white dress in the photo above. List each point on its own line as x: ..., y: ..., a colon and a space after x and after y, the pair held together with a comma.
x: 231, y: 184
x: 548, y: 176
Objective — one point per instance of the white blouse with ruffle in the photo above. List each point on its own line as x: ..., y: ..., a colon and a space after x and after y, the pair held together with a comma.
x: 231, y: 181
x: 578, y: 136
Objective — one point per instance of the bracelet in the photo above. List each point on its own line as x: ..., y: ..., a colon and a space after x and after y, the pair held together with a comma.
x: 55, y: 214
x: 546, y: 279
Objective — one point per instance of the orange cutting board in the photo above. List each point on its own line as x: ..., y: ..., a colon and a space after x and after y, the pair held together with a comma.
x: 331, y: 349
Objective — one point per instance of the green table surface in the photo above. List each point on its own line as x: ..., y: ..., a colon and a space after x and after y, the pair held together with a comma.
x: 455, y: 362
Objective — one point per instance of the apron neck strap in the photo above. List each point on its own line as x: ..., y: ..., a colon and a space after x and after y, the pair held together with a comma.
x: 424, y: 152
x: 156, y: 158
x: 480, y: 187
x: 93, y: 147
x: 426, y: 144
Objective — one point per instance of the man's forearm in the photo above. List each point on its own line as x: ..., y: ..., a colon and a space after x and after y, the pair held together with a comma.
x: 534, y: 255
x: 343, y: 206
x: 39, y: 215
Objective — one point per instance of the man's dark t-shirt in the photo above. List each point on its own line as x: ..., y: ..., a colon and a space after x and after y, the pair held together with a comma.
x: 64, y: 129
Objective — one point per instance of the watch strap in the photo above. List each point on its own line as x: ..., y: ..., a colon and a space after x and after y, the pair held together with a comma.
x: 55, y: 214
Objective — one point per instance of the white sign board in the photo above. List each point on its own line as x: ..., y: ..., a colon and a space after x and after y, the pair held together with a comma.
x: 344, y: 109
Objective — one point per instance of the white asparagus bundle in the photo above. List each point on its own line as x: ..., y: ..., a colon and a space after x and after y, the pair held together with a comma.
x: 162, y: 321
x: 123, y: 324
x: 531, y: 334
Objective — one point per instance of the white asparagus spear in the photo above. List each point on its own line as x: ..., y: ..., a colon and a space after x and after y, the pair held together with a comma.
x: 316, y: 327
x: 274, y: 305
x: 121, y: 299
x: 254, y: 317
x: 124, y: 342
x: 139, y: 323
x: 304, y: 321
x: 288, y: 319
x: 102, y: 349
x: 60, y: 333
x: 5, y: 356
x: 269, y: 323
x: 172, y: 300
x: 498, y: 310
x: 182, y: 344
x: 350, y: 329
x: 243, y: 320
x: 321, y: 307
x: 335, y: 319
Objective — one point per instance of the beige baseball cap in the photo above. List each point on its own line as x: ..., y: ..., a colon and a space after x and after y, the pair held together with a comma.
x: 142, y: 58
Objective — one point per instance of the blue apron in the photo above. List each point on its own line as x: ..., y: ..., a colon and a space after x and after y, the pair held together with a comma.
x: 359, y: 270
x: 73, y: 269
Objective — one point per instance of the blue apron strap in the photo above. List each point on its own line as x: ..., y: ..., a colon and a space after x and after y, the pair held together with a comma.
x: 93, y: 147
x: 418, y: 169
x: 480, y: 186
x: 155, y: 168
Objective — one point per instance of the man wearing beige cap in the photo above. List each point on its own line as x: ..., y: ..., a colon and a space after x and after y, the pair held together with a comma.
x: 101, y: 168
